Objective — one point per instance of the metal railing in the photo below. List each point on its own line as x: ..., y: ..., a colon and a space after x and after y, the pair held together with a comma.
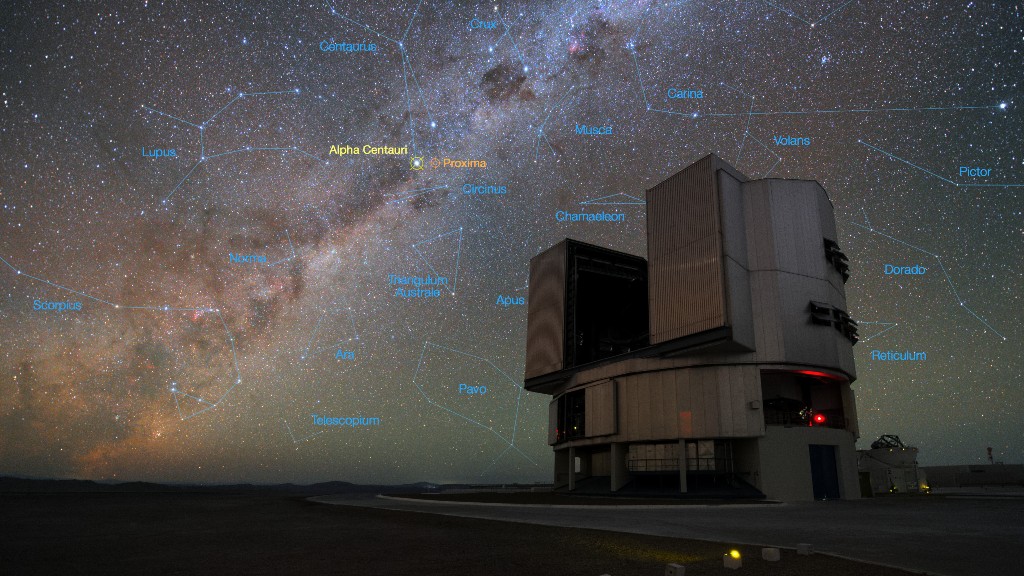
x: 784, y: 417
x: 653, y: 465
x: 715, y: 465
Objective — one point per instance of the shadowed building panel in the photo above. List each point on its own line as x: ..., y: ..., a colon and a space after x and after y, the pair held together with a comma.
x: 569, y: 320
x: 545, y: 316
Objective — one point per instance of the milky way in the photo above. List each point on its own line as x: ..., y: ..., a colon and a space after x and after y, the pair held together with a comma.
x: 185, y: 364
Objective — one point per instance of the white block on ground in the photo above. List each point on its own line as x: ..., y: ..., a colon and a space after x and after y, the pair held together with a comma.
x: 675, y: 570
x: 732, y: 563
x: 770, y: 554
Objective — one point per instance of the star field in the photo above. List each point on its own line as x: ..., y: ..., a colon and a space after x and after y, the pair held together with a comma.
x: 185, y: 366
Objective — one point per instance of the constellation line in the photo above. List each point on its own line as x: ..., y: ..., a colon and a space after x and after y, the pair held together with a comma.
x: 202, y: 137
x: 949, y: 280
x: 458, y: 255
x: 930, y: 173
x: 509, y: 442
x: 174, y: 391
x: 407, y: 69
x: 888, y: 325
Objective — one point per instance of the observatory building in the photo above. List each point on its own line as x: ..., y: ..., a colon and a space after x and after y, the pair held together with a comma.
x: 721, y: 365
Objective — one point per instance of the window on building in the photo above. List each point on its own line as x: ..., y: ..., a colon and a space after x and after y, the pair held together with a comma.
x: 796, y: 399
x: 571, y: 416
x: 606, y: 311
x: 713, y: 456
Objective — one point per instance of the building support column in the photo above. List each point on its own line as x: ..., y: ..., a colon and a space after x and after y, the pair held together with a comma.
x: 561, y: 469
x: 572, y: 468
x: 682, y: 465
x: 586, y: 463
x: 620, y: 472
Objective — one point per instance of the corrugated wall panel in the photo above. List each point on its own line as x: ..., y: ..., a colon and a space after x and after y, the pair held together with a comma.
x: 657, y: 401
x: 642, y: 387
x: 686, y: 291
x: 736, y: 424
x: 684, y: 407
x: 600, y: 406
x: 737, y: 402
x: 691, y: 385
x: 752, y: 384
x: 546, y: 312
x: 693, y: 398
x: 712, y: 411
x: 724, y: 397
x: 684, y: 248
x: 671, y: 403
x: 670, y: 421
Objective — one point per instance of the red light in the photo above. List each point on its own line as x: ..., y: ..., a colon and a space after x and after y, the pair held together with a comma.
x: 819, y: 418
x: 817, y: 374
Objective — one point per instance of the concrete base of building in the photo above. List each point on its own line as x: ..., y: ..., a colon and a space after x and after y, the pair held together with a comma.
x: 791, y: 464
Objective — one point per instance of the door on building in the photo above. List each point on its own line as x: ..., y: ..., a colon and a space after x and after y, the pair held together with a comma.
x: 824, y: 474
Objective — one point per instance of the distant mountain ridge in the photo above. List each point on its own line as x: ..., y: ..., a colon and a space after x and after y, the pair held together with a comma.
x: 15, y: 484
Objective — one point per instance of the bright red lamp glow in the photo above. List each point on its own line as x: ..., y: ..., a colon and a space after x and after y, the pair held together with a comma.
x: 819, y: 418
x: 818, y: 374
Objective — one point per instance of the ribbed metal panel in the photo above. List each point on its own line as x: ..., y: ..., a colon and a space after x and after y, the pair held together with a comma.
x: 546, y: 312
x: 600, y: 409
x: 685, y: 253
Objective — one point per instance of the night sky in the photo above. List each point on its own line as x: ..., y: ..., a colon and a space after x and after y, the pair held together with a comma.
x: 182, y: 365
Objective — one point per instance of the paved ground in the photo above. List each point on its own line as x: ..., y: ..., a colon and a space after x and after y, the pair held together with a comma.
x: 950, y: 536
x: 273, y: 534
